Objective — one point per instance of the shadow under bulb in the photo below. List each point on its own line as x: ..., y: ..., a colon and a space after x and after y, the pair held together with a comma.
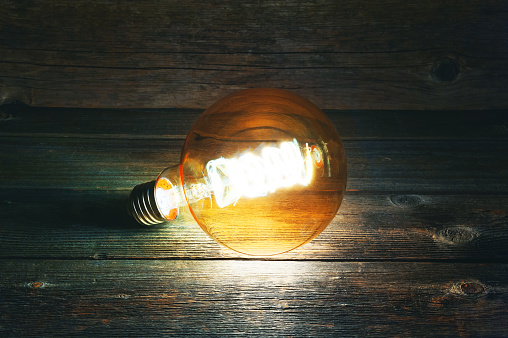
x: 262, y: 171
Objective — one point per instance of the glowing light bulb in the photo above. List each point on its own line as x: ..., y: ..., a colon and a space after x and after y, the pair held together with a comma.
x: 262, y: 172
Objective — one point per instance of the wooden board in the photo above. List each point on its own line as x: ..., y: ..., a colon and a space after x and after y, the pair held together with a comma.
x: 230, y: 297
x: 22, y: 120
x: 94, y: 225
x: 346, y: 54
x: 389, y: 152
x: 388, y: 166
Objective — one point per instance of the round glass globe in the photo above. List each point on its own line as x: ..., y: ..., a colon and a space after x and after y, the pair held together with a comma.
x: 263, y: 171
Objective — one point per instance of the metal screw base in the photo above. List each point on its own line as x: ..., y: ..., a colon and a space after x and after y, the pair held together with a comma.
x: 142, y: 205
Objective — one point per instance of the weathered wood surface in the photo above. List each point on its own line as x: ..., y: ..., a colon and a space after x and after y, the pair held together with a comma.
x: 421, y: 185
x: 418, y: 247
x: 94, y: 225
x: 387, y: 166
x: 230, y: 297
x: 394, y: 152
x: 22, y: 120
x: 341, y: 54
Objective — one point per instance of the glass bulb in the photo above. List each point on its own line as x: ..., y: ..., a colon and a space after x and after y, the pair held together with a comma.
x: 262, y: 171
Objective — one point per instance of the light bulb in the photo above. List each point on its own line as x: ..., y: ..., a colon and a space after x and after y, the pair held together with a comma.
x: 262, y: 171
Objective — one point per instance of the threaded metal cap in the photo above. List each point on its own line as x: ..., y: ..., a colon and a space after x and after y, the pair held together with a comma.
x: 142, y: 205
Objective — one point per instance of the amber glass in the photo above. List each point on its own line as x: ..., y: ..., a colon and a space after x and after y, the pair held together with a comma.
x: 276, y: 199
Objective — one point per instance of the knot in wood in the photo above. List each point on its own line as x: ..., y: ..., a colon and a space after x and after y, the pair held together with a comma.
x: 472, y: 288
x: 458, y: 235
x: 445, y: 70
x: 36, y: 285
x: 406, y: 201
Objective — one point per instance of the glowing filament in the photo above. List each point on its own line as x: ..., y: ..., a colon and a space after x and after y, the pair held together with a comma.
x: 258, y: 175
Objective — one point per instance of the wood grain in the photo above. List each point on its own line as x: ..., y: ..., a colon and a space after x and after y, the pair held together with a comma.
x: 94, y: 225
x: 340, y: 54
x: 390, y: 166
x: 153, y: 298
x: 395, y: 152
x: 22, y: 120
x: 417, y: 92
x: 421, y: 185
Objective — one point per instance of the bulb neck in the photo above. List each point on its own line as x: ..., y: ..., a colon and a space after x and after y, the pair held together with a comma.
x: 142, y: 205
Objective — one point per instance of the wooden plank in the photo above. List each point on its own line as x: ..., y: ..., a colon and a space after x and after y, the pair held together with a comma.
x: 409, y: 166
x: 224, y: 297
x: 340, y: 54
x: 94, y: 225
x: 19, y: 120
